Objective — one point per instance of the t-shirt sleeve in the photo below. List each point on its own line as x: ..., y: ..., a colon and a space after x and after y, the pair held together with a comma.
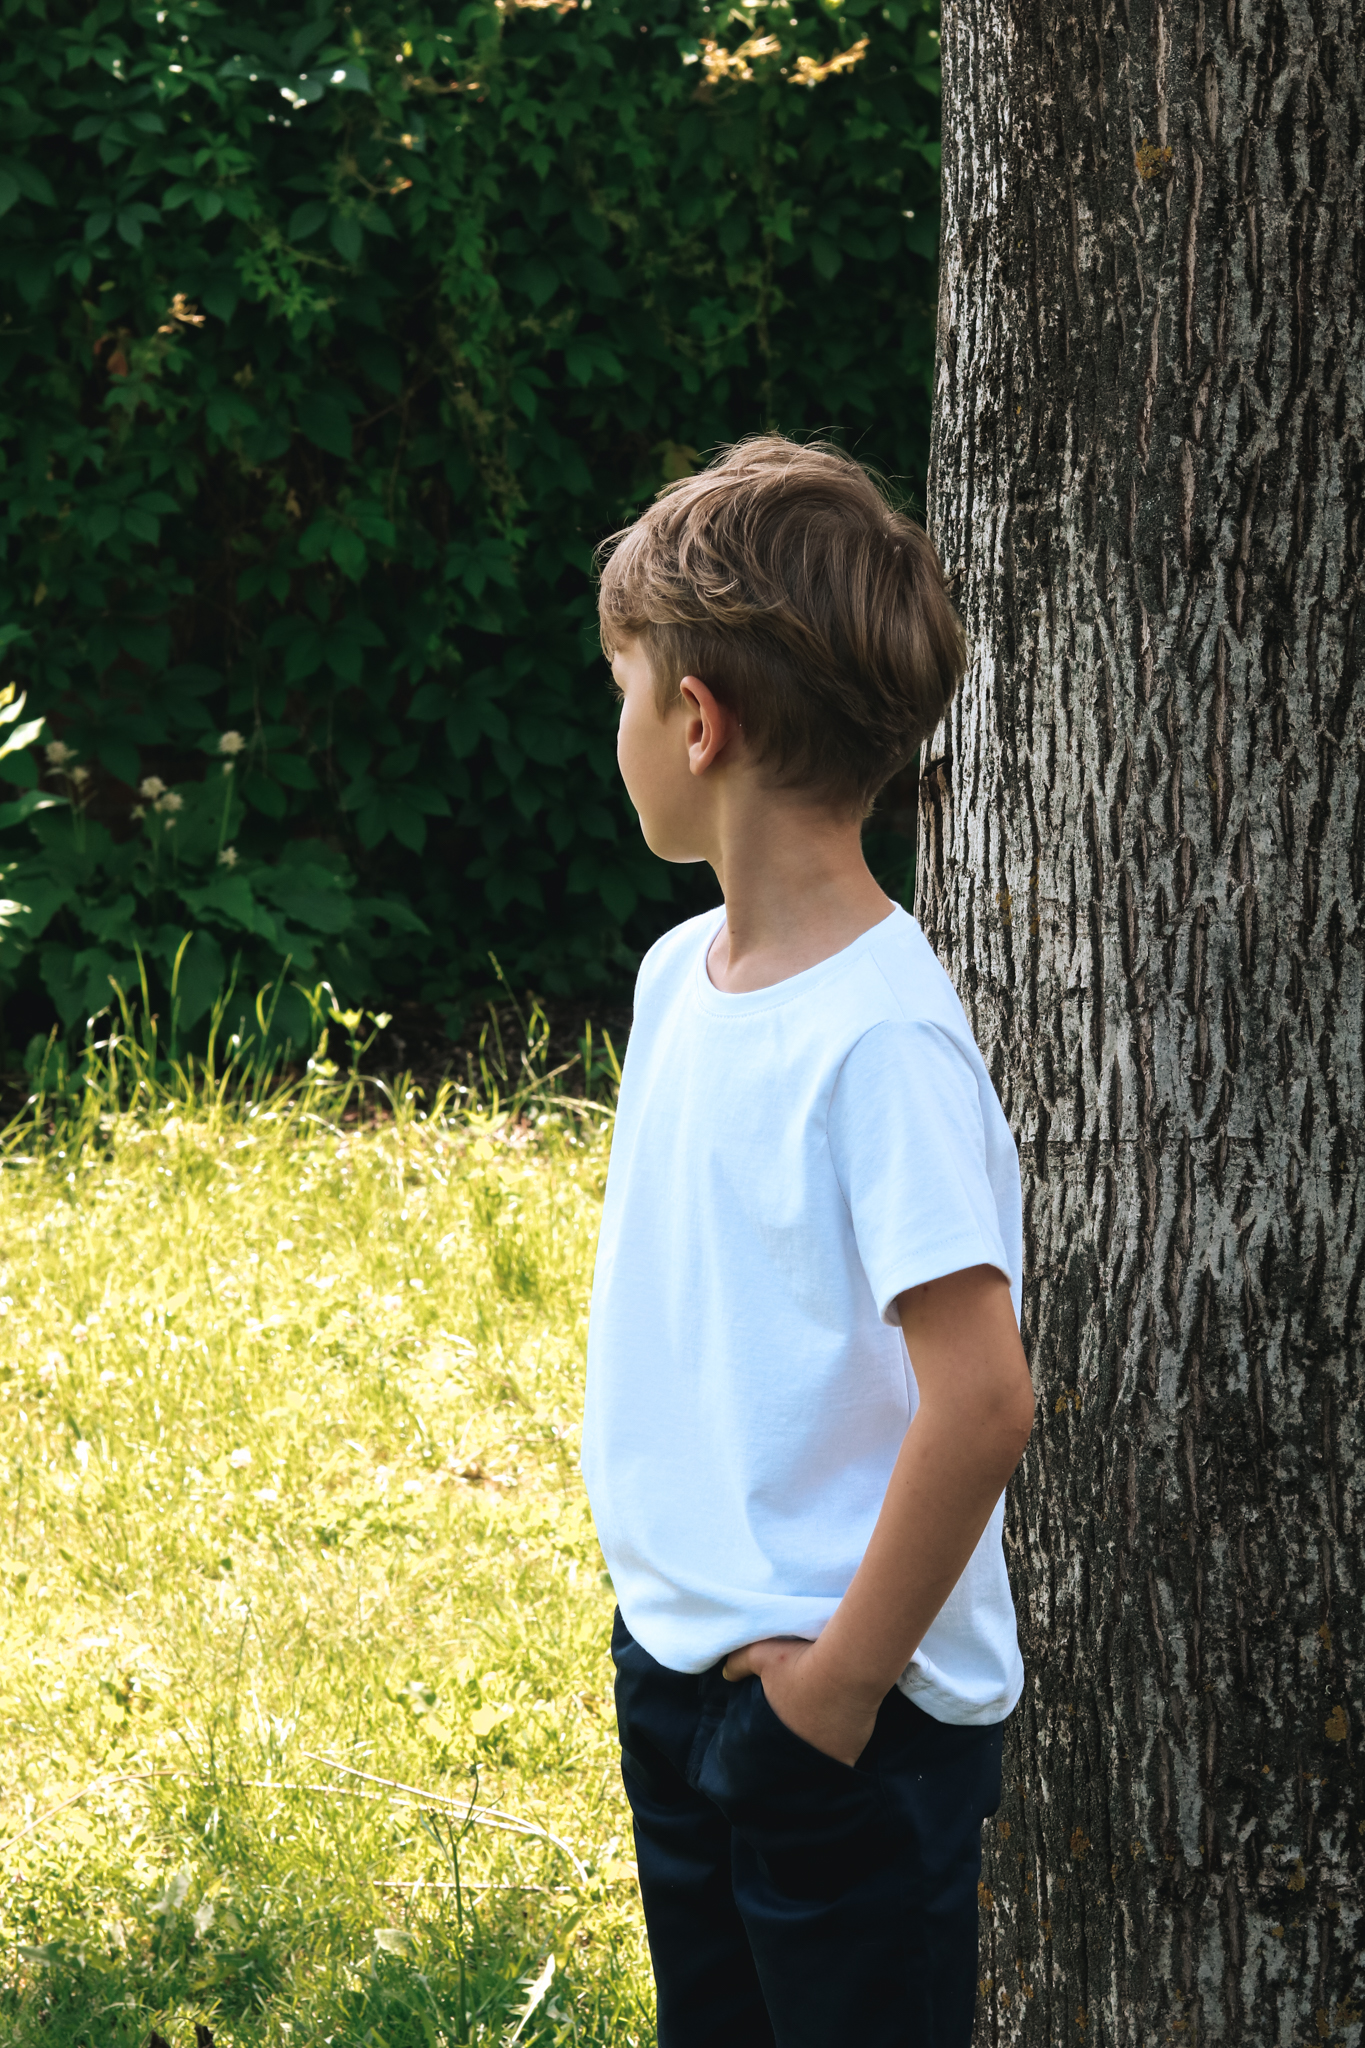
x: 907, y: 1135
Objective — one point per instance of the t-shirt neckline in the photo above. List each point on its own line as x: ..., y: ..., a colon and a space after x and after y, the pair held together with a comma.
x: 722, y: 1002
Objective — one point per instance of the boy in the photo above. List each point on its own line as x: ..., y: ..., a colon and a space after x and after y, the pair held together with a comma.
x: 812, y: 1185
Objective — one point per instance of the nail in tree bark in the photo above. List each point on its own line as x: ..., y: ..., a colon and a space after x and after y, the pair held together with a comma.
x: 1143, y: 860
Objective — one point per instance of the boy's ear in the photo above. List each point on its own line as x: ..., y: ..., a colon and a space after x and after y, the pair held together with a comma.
x: 711, y: 726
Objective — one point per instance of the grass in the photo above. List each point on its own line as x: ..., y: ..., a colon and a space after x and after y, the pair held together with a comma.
x: 289, y: 1407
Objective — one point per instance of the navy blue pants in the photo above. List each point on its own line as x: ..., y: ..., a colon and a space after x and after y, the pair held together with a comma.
x: 793, y: 1902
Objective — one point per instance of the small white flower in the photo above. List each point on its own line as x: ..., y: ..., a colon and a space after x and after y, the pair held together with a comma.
x: 230, y: 743
x: 80, y: 775
x: 138, y: 811
x: 171, y: 801
x: 151, y: 787
x: 82, y: 1449
x: 267, y: 1493
x: 169, y: 826
x: 382, y: 1475
x: 238, y: 1458
x: 412, y: 1486
x: 228, y: 857
x: 204, y: 1912
x: 59, y: 753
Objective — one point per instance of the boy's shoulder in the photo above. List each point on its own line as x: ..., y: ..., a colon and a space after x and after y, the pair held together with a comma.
x: 914, y: 984
x: 675, y: 953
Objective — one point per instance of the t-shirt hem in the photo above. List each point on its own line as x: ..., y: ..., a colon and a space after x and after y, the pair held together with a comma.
x: 950, y: 1707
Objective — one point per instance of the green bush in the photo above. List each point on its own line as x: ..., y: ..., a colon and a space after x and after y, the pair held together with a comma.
x: 333, y: 342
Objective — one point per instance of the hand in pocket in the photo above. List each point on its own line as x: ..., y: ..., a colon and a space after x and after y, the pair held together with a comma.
x: 813, y: 1703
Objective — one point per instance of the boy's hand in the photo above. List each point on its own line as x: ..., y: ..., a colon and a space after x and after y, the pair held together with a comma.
x: 831, y: 1716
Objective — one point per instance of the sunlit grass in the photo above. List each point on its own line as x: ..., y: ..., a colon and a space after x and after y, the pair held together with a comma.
x: 288, y: 1440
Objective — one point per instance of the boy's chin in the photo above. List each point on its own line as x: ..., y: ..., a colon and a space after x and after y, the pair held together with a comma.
x: 671, y: 847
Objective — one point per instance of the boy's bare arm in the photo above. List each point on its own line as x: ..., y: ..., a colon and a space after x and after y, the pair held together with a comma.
x: 969, y: 1432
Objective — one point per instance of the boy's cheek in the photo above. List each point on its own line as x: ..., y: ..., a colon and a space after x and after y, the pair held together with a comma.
x: 642, y: 770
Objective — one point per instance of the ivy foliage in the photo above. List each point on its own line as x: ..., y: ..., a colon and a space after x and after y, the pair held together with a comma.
x: 333, y: 340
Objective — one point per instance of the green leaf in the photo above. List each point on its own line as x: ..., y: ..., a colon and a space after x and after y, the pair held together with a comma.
x: 494, y: 720
x: 120, y: 757
x: 825, y: 256
x: 408, y: 826
x: 596, y: 821
x: 292, y: 772
x: 348, y: 552
x: 618, y: 894
x: 305, y: 655
x: 221, y: 295
x: 464, y: 728
x: 372, y: 821
x: 229, y: 897
x: 21, y: 770
x: 430, y: 702
x: 111, y: 922
x: 344, y: 656
x: 348, y: 237
x: 306, y: 41
x: 542, y: 739
x: 307, y: 219
x: 30, y: 181
x: 31, y: 269
x: 537, y: 279
x: 228, y: 409
x: 43, y: 897
x: 329, y: 911
x: 25, y: 806
x: 264, y: 794
x: 325, y: 422
x: 401, y: 916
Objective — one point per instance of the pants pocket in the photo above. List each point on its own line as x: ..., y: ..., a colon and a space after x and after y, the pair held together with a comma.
x: 771, y: 1727
x: 816, y: 1823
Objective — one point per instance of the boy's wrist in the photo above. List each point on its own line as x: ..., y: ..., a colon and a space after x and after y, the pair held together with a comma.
x: 847, y: 1677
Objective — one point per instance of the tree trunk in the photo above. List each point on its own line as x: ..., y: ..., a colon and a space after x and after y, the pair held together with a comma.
x: 1143, y: 861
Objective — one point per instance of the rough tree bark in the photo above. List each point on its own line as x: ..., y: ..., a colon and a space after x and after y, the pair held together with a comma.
x: 1143, y: 859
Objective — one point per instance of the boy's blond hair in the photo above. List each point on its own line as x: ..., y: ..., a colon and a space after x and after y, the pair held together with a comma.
x: 782, y: 577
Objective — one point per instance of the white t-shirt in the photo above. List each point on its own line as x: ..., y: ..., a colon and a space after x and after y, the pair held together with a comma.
x: 785, y: 1163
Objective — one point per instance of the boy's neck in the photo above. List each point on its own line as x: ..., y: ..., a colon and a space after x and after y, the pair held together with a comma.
x: 796, y: 886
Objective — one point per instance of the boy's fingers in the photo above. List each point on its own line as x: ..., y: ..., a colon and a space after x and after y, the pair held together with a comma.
x: 752, y: 1659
